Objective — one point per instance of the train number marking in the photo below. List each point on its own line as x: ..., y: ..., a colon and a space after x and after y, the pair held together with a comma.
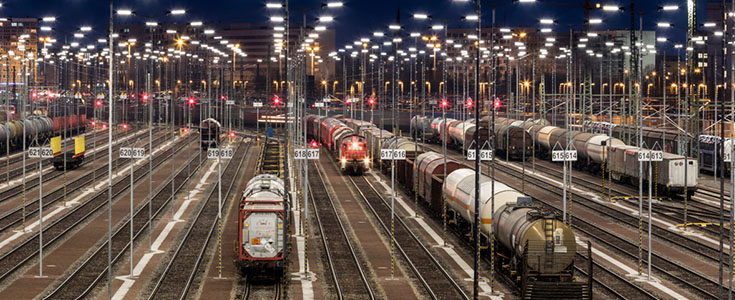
x: 728, y: 156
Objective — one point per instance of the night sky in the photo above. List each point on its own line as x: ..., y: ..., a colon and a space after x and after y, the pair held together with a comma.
x: 355, y: 19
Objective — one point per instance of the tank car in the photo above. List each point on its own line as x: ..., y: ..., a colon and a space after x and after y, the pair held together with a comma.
x: 512, y: 140
x: 261, y: 227
x: 210, y: 130
x: 421, y: 128
x: 535, y: 247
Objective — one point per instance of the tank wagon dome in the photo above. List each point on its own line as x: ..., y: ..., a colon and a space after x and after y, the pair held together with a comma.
x: 264, y: 182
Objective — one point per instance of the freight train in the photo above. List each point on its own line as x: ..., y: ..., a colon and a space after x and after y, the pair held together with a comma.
x: 346, y: 143
x: 671, y: 141
x: 514, y: 137
x: 39, y: 128
x: 261, y: 217
x: 511, y: 142
x: 536, y: 248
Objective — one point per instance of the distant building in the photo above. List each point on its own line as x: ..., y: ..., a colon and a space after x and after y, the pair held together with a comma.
x: 256, y: 40
x: 19, y: 41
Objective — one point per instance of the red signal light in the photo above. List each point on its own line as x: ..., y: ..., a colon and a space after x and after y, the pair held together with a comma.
x: 94, y: 124
x: 223, y: 98
x: 145, y: 97
x: 444, y: 103
x: 34, y: 95
x: 371, y: 101
x: 232, y: 134
x: 468, y: 103
x: 192, y: 101
x: 98, y: 103
x: 104, y: 126
x: 347, y: 101
x: 276, y: 100
x: 497, y: 104
x: 125, y: 126
x: 314, y: 144
x: 186, y: 130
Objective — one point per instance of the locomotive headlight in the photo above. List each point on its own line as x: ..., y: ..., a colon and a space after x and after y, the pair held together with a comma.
x: 367, y: 161
x: 344, y: 161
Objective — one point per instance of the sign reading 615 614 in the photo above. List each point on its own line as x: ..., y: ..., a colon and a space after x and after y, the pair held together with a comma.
x: 564, y: 155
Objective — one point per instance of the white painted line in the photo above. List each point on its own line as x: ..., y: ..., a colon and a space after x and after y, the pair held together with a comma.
x: 29, y: 228
x: 155, y: 247
x: 307, y: 288
x: 655, y: 282
x: 438, y: 241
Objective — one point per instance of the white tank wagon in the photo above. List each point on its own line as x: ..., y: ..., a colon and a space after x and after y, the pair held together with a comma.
x: 261, y: 227
x: 459, y: 192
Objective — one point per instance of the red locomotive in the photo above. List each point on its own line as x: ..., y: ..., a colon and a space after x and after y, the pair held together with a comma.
x: 348, y: 145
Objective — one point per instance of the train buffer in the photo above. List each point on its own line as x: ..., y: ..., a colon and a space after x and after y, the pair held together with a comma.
x: 700, y: 224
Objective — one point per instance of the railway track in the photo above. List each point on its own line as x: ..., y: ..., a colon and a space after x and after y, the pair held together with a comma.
x: 670, y: 270
x: 621, y: 287
x: 9, y: 220
x: 609, y: 281
x: 436, y: 280
x: 81, y: 282
x: 604, y: 278
x: 350, y: 281
x: 16, y: 157
x: 249, y: 290
x: 685, y: 242
x: 31, y: 164
x: 177, y: 278
x: 25, y: 251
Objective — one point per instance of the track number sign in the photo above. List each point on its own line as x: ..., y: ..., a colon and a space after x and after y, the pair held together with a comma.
x: 257, y: 104
x: 230, y: 102
x: 319, y: 104
x: 40, y: 152
x: 485, y: 155
x: 650, y: 155
x: 215, y: 153
x: 302, y: 154
x: 393, y: 154
x: 126, y: 152
x: 564, y: 155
